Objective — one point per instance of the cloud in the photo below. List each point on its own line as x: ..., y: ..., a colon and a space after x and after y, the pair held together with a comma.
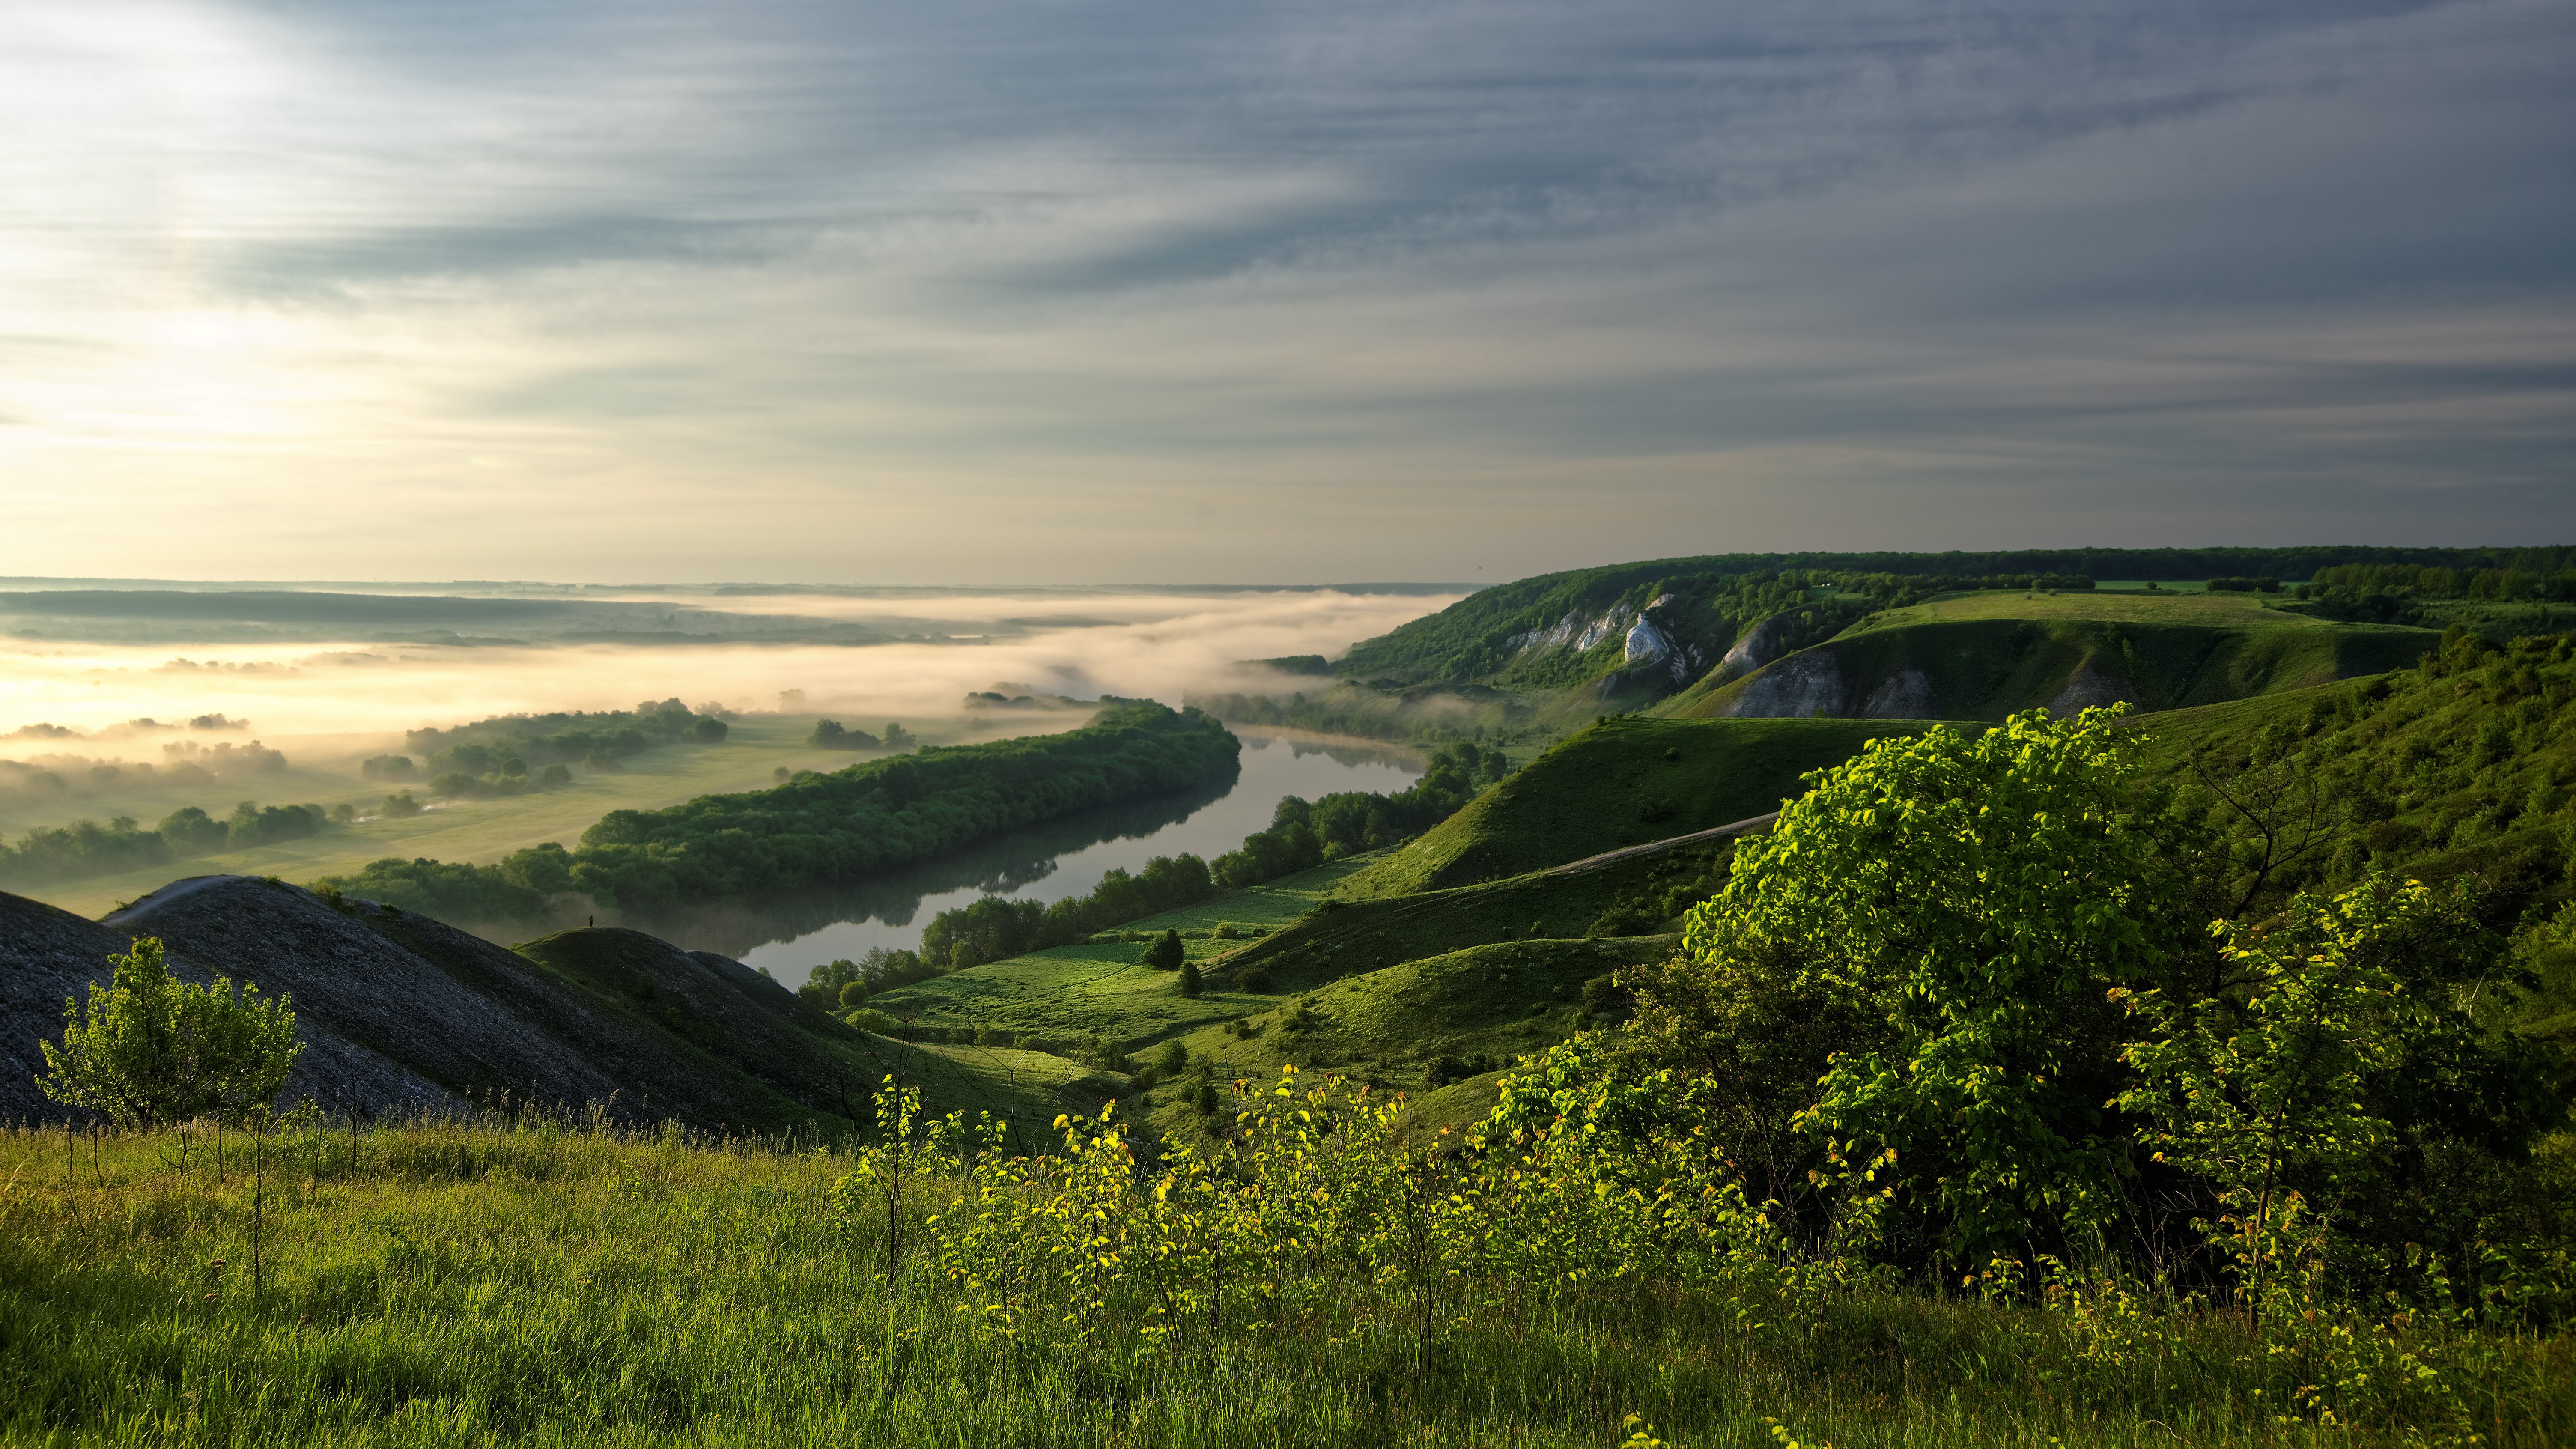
x: 1316, y: 290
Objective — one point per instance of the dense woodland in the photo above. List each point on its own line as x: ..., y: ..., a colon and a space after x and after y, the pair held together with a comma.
x: 824, y: 829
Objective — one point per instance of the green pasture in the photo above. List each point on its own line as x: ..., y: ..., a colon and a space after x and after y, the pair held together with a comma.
x: 2172, y: 604
x: 474, y: 831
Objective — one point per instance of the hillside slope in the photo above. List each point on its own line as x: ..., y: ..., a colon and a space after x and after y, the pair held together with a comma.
x: 401, y: 1013
x: 1987, y: 656
x: 1624, y: 781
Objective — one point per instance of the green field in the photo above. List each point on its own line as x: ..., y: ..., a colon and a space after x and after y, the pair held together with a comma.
x: 1072, y: 993
x: 466, y: 831
x: 2175, y: 604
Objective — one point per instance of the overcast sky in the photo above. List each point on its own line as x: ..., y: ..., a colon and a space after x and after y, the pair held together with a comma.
x: 1117, y: 290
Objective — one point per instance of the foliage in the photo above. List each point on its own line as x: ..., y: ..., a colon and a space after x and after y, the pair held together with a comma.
x: 1975, y: 897
x: 507, y: 745
x: 1166, y: 953
x: 835, y: 828
x: 148, y: 1050
x: 1304, y: 835
x: 557, y: 1279
x: 2462, y: 766
x: 991, y: 928
x: 829, y: 734
x: 823, y: 829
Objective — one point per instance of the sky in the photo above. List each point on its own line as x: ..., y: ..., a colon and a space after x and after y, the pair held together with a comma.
x: 1112, y: 291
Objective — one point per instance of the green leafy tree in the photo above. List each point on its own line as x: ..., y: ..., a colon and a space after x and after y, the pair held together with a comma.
x: 1191, y: 984
x: 1167, y: 953
x: 1976, y: 898
x: 151, y: 1050
x: 2269, y: 1083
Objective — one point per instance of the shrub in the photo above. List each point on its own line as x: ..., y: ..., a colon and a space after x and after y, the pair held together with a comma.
x: 1255, y: 980
x: 853, y: 993
x: 1190, y: 983
x: 1167, y: 953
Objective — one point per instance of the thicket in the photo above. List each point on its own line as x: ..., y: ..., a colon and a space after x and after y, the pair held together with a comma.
x: 2464, y: 766
x: 824, y: 829
x: 1304, y: 834
x: 505, y: 746
x: 86, y: 848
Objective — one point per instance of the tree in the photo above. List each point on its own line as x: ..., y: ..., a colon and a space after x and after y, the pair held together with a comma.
x: 1166, y: 953
x: 151, y: 1050
x: 1975, y: 899
x: 2268, y: 1084
x: 1190, y: 983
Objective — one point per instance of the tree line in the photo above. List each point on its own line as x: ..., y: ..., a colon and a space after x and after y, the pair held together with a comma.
x: 1302, y: 836
x: 87, y: 848
x: 824, y: 829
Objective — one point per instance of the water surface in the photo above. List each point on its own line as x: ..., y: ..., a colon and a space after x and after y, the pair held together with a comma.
x: 1063, y: 858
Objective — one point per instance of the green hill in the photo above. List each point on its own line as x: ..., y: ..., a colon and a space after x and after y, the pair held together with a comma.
x: 2463, y: 765
x: 1622, y: 782
x: 1985, y: 656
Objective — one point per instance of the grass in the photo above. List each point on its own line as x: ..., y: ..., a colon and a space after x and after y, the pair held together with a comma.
x: 538, y: 1282
x: 475, y: 831
x: 1985, y: 656
x: 1384, y: 1027
x: 1626, y: 781
x: 2173, y: 605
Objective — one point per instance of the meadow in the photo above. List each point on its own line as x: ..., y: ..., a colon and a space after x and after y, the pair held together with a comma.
x: 550, y: 1279
x: 750, y: 756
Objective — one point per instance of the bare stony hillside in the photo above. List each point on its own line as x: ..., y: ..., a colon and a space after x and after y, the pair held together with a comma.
x: 400, y: 1012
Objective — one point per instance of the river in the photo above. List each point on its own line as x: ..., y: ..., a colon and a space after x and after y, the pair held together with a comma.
x: 1050, y: 863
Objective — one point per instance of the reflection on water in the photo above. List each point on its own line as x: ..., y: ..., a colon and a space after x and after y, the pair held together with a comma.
x: 787, y: 936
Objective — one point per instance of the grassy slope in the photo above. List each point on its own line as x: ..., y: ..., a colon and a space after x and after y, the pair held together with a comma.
x: 1579, y: 799
x: 1104, y: 989
x: 1384, y: 1026
x: 462, y: 831
x: 1988, y: 655
x: 2408, y: 748
x: 1593, y: 792
x: 496, y: 1283
x: 788, y: 1040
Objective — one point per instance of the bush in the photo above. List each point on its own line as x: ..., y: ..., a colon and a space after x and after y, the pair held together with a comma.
x: 1190, y: 983
x: 1173, y: 1058
x: 1255, y: 979
x: 830, y: 735
x: 398, y: 804
x: 853, y: 994
x: 386, y: 767
x: 1167, y: 953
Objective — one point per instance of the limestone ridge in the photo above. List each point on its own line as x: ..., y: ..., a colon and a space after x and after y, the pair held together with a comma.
x: 402, y: 1013
x: 1661, y: 652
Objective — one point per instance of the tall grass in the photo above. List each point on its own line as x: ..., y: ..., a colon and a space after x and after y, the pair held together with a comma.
x: 543, y: 1280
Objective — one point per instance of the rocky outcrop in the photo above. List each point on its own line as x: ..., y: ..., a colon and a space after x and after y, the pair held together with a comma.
x: 1797, y: 687
x: 1906, y: 694
x: 1760, y: 645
